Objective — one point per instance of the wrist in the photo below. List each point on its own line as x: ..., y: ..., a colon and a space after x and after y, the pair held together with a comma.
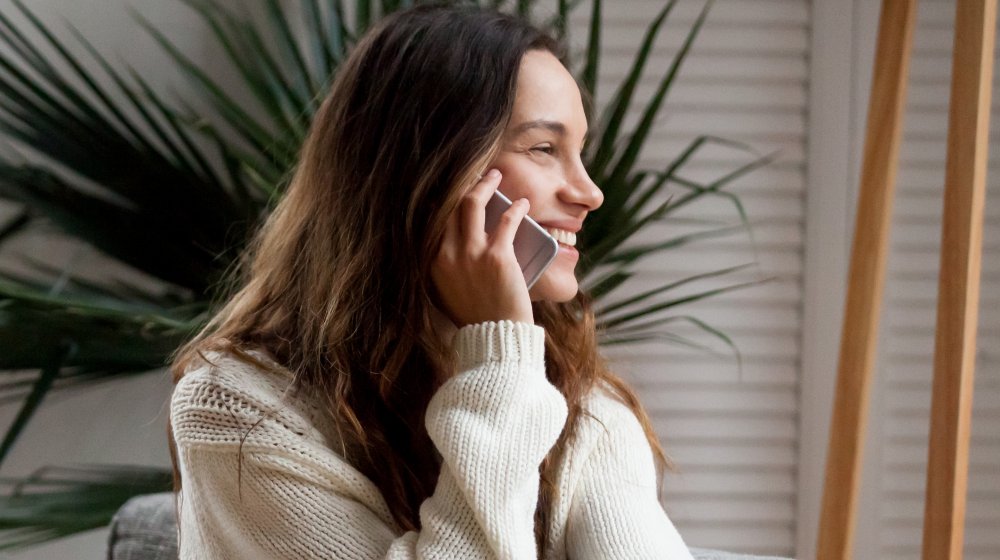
x: 503, y: 340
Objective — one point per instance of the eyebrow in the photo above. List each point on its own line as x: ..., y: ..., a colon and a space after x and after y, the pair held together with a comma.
x: 554, y: 126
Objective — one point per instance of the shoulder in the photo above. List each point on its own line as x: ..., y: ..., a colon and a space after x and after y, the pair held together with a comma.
x: 610, y: 437
x: 228, y: 414
x: 223, y: 373
x: 606, y: 430
x: 224, y: 382
x: 609, y: 450
x: 606, y: 414
x: 223, y: 399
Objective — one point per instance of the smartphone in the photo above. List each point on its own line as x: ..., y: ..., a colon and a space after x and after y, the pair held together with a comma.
x: 534, y: 248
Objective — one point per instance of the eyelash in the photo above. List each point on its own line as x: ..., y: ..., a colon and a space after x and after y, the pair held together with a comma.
x: 550, y: 150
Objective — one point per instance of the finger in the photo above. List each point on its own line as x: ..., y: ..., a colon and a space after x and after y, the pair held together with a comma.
x: 509, y: 222
x: 452, y: 231
x: 474, y: 205
x: 453, y: 227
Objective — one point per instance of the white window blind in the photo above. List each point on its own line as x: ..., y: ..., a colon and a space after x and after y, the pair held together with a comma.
x: 732, y: 434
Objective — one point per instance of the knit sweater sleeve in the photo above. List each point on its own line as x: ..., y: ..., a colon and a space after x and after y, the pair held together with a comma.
x: 492, y: 423
x: 615, y: 512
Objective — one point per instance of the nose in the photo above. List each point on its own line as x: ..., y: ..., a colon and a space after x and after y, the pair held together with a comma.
x: 581, y: 189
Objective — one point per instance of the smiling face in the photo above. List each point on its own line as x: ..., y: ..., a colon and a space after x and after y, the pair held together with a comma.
x: 540, y: 160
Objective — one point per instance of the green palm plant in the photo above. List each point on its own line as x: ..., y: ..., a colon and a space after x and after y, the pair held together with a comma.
x: 122, y: 158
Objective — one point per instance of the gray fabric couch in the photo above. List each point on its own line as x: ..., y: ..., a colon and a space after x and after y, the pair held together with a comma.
x: 145, y: 529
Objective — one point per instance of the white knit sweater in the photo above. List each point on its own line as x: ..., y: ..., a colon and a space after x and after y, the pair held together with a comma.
x: 294, y: 496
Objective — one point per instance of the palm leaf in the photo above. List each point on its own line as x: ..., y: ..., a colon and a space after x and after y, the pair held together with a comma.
x: 637, y: 138
x: 83, y: 116
x: 589, y: 76
x: 156, y: 245
x: 58, y: 502
x: 600, y: 288
x: 620, y: 321
x: 640, y: 199
x: 715, y: 188
x: 701, y: 325
x: 561, y: 19
x: 85, y: 337
x: 654, y: 336
x: 139, y: 187
x: 609, y: 127
x: 610, y: 308
x: 250, y: 130
x: 39, y: 389
x: 632, y: 254
x: 105, y: 332
x: 14, y: 226
x: 364, y: 14
x: 605, y: 224
x: 697, y: 190
x: 289, y: 47
x: 600, y: 252
x: 326, y: 44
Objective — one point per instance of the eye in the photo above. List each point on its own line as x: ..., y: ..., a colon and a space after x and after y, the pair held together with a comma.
x: 545, y: 149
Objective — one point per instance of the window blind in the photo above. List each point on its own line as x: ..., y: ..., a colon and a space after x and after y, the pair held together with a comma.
x: 731, y: 432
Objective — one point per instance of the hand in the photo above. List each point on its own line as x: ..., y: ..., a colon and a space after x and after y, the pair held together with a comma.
x: 476, y: 275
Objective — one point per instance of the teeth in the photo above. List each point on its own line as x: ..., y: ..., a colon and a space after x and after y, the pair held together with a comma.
x: 562, y: 236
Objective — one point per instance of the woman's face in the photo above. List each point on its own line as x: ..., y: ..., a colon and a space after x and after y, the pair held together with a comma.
x: 540, y: 160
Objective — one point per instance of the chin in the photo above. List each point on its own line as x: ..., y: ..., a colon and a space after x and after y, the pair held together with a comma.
x: 553, y: 288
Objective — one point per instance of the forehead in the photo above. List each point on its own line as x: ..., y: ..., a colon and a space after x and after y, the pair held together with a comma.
x: 547, y: 91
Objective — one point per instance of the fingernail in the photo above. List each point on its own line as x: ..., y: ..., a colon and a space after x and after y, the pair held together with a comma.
x: 493, y: 173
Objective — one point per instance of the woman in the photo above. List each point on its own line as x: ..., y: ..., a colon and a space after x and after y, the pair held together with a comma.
x: 383, y: 384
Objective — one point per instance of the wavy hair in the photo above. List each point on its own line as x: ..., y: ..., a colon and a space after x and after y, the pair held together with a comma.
x: 335, y: 285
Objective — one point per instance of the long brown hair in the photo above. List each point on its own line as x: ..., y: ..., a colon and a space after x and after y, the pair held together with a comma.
x: 335, y: 284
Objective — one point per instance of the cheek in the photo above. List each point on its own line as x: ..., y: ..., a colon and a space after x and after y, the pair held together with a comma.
x: 520, y: 181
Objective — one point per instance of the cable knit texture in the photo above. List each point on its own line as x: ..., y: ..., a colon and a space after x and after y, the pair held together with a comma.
x: 264, y: 478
